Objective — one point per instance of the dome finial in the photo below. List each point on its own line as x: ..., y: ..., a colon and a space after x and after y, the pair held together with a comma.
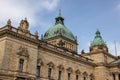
x: 59, y: 12
x: 97, y: 33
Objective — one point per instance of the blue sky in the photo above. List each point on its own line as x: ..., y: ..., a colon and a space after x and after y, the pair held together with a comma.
x: 82, y: 17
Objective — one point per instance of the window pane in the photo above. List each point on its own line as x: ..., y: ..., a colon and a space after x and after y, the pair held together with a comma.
x: 113, y: 76
x: 49, y: 73
x: 21, y: 61
x: 59, y: 75
x: 84, y: 78
x: 38, y: 71
x: 76, y: 77
x: 68, y: 76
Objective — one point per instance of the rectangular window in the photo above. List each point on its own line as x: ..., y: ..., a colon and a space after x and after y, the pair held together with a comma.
x: 84, y: 78
x: 38, y: 71
x: 76, y: 77
x: 59, y: 75
x: 49, y: 73
x: 113, y: 76
x: 21, y: 62
x: 68, y: 76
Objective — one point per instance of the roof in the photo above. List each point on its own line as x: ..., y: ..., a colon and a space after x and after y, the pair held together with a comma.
x: 59, y: 29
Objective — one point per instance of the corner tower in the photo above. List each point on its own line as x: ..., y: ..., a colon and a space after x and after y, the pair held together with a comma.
x: 98, y: 43
x: 59, y: 35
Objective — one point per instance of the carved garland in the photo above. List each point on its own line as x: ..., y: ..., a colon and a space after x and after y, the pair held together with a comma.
x: 77, y: 72
x: 85, y: 74
x: 70, y: 70
x: 91, y: 76
x: 51, y: 65
x: 22, y: 51
x: 61, y: 67
x: 39, y: 62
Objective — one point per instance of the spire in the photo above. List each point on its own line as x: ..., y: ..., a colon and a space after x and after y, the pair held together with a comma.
x: 59, y: 19
x: 59, y: 12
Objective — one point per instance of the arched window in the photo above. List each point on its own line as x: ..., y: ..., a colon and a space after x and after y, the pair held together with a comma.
x: 85, y: 75
x: 84, y: 78
x: 59, y: 75
x: 50, y: 67
x: 69, y: 76
x: 39, y: 64
x: 77, y: 72
x: 113, y: 76
x: 77, y: 77
x: 20, y: 65
x: 38, y: 71
x: 23, y: 55
x: 70, y: 70
x: 49, y: 73
x: 60, y: 69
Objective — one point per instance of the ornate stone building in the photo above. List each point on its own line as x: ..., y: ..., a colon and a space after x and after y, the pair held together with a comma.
x: 23, y: 56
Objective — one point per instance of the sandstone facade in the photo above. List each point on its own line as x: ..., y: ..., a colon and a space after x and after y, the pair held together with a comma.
x: 25, y: 57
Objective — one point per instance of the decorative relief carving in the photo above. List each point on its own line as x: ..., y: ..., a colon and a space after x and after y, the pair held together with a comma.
x: 36, y: 34
x: 85, y: 74
x: 39, y: 62
x: 78, y: 72
x: 8, y: 25
x: 22, y: 51
x: 9, y: 22
x: 24, y: 25
x: 51, y: 64
x: 91, y: 76
x: 61, y: 67
x: 70, y: 70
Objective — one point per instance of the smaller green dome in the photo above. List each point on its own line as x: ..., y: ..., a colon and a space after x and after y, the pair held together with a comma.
x: 98, y: 39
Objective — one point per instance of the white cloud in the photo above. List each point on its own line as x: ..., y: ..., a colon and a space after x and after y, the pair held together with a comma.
x: 111, y: 46
x: 19, y: 9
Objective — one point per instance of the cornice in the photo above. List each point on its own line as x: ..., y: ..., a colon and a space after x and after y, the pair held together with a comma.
x: 63, y: 53
x: 97, y: 52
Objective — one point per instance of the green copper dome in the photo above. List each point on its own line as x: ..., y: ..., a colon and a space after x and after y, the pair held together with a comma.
x: 98, y: 39
x: 59, y: 29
